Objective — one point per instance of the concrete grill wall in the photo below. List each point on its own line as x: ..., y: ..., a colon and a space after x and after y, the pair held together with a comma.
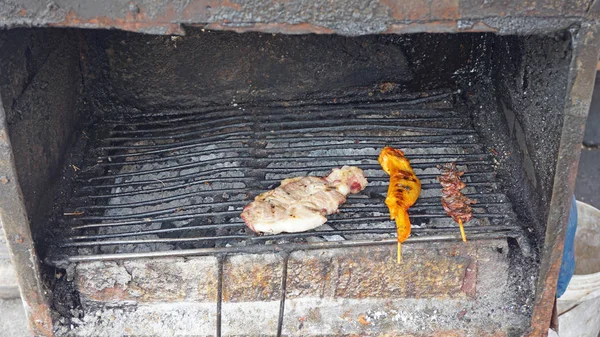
x: 328, y: 293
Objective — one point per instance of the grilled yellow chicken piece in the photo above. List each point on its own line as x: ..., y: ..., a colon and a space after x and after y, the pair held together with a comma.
x: 403, y: 191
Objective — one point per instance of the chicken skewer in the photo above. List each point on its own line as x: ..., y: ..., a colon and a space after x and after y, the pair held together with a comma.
x: 403, y: 191
x: 456, y: 204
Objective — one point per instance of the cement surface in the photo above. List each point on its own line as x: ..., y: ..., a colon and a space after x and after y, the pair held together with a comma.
x: 12, y: 319
x: 592, y: 129
x: 587, y: 187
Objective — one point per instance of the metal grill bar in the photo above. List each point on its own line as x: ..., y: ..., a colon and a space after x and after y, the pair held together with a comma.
x: 165, y: 181
x: 284, y: 275
x: 373, y: 189
x: 146, y: 218
x: 219, y: 294
x: 151, y: 133
x: 107, y: 160
x: 421, y: 205
x: 167, y: 169
x: 210, y: 113
x: 190, y: 181
x: 255, y: 249
x: 269, y: 151
x: 381, y: 220
x: 386, y: 230
x: 229, y: 137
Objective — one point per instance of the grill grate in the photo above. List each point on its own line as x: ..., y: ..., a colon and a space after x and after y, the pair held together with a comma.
x: 174, y: 183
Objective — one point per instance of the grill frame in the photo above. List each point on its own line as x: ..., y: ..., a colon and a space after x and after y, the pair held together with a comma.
x: 578, y: 95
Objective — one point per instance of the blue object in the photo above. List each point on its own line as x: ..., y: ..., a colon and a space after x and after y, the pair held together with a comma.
x: 567, y: 267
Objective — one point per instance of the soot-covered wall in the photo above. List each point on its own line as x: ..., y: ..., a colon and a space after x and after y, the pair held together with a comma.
x: 206, y: 67
x: 531, y: 75
x: 40, y: 86
x: 519, y: 109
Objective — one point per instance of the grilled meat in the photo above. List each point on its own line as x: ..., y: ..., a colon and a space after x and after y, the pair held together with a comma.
x: 300, y: 204
x: 403, y: 191
x: 456, y: 204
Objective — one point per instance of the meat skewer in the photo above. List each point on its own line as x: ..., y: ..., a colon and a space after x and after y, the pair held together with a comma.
x: 300, y: 204
x: 403, y: 191
x: 456, y: 204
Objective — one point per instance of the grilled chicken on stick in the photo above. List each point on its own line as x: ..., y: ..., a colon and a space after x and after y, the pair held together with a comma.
x: 301, y: 203
x: 456, y: 204
x: 403, y: 191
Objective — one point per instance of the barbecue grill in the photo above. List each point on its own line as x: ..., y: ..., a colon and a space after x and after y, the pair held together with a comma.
x: 133, y: 151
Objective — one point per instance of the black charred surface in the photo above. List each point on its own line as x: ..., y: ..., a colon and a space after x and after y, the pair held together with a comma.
x: 519, y: 109
x: 41, y: 89
x: 534, y: 91
x: 206, y: 68
x: 65, y: 297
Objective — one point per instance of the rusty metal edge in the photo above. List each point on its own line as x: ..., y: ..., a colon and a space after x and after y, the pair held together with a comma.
x: 492, y: 24
x: 498, y: 25
x: 582, y: 74
x: 18, y: 236
x: 398, y: 17
x: 454, y: 26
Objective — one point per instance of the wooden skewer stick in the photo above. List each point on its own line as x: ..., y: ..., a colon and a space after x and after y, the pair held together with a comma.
x: 462, y: 230
x: 399, y: 259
